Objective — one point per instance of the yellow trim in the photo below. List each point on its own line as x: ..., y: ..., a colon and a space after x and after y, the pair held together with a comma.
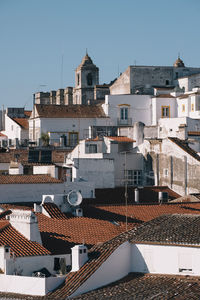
x: 162, y: 110
x: 124, y: 105
x: 183, y: 107
x: 192, y: 107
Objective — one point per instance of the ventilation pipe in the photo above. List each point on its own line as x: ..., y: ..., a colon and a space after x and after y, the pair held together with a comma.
x: 137, y: 196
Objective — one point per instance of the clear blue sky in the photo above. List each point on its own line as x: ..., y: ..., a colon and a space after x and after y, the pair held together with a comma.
x: 35, y: 34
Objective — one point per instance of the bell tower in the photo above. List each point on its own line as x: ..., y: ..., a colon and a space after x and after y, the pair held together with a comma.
x: 87, y: 77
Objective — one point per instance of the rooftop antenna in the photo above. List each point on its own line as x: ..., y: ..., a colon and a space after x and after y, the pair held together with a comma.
x: 135, y: 62
x: 178, y: 54
x: 86, y: 52
x: 118, y: 70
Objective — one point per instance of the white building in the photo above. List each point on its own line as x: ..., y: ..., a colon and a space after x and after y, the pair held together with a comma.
x: 71, y: 122
x: 106, y: 162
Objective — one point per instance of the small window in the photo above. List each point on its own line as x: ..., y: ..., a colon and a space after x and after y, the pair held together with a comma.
x: 124, y: 113
x: 176, y: 75
x: 84, y: 250
x: 12, y: 128
x: 92, y: 148
x: 133, y: 177
x: 89, y: 79
x: 167, y: 82
x: 165, y: 111
x: 78, y: 79
x: 80, y: 251
x: 192, y: 107
x: 56, y: 264
x: 165, y: 172
x: 183, y: 107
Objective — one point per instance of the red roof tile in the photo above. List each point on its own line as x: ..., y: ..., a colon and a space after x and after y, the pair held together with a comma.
x: 27, y: 179
x: 70, y: 111
x: 23, y: 122
x: 18, y: 243
x: 53, y: 211
x: 121, y: 139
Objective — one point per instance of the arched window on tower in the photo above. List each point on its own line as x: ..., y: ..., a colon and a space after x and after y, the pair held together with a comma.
x: 78, y: 79
x: 89, y: 79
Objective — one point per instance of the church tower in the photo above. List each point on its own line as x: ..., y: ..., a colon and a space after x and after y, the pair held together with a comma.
x: 87, y: 77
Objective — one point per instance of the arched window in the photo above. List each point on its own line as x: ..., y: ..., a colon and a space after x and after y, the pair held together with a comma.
x: 89, y: 79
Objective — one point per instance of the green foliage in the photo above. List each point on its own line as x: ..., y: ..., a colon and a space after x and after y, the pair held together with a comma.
x: 45, y: 139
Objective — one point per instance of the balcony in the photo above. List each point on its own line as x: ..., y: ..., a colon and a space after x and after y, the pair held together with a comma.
x: 124, y: 122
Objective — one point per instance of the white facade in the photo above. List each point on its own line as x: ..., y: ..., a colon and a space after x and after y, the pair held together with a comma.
x: 190, y: 82
x: 14, y: 130
x: 10, y: 193
x: 106, y: 166
x: 128, y: 109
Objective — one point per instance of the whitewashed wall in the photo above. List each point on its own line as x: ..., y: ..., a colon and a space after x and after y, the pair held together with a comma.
x: 157, y: 104
x: 165, y: 259
x: 115, y: 267
x: 29, y: 285
x: 139, y: 110
x: 50, y: 170
x: 10, y: 193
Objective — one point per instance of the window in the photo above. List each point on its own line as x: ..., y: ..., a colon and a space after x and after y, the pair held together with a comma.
x: 45, y: 156
x: 192, y: 107
x: 73, y: 139
x: 176, y: 75
x: 78, y: 79
x: 165, y: 172
x: 134, y: 177
x: 124, y: 113
x: 56, y: 264
x: 165, y: 111
x: 167, y: 82
x: 12, y: 128
x: 33, y: 156
x: 92, y: 148
x: 183, y: 107
x: 89, y: 79
x: 80, y: 251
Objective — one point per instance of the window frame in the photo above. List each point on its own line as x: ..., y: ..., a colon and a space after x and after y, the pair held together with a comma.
x: 164, y: 110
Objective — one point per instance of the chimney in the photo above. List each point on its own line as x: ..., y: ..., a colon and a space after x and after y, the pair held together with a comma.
x: 26, y: 223
x: 79, y: 257
x: 137, y: 196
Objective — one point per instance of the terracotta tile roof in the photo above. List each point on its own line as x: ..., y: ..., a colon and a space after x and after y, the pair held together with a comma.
x: 27, y: 179
x: 164, y: 96
x: 59, y: 235
x: 70, y: 111
x: 2, y: 135
x: 53, y: 211
x: 121, y: 139
x: 23, y: 122
x: 27, y: 113
x: 137, y: 286
x: 172, y: 229
x: 194, y: 133
x: 18, y: 243
x: 184, y: 146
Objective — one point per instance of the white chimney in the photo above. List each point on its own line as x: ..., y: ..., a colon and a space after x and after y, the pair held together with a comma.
x: 79, y: 257
x: 26, y: 223
x: 137, y: 196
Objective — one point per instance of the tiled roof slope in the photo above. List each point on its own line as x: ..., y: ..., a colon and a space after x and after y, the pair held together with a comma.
x: 137, y: 286
x: 18, y: 243
x: 170, y: 229
x: 27, y: 179
x: 70, y: 111
x: 59, y: 235
x: 137, y: 214
x: 53, y: 211
x: 23, y: 122
x: 121, y: 139
x: 184, y: 146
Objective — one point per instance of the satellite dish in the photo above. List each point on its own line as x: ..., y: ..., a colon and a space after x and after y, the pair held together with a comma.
x: 74, y: 198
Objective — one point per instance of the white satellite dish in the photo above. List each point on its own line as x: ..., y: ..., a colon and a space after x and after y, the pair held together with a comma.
x: 74, y: 198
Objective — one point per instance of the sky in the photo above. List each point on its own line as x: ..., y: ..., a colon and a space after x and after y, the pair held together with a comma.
x: 43, y: 41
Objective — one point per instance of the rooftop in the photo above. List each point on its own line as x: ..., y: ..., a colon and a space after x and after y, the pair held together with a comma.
x: 170, y: 229
x: 27, y: 179
x: 69, y: 111
x: 184, y: 146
